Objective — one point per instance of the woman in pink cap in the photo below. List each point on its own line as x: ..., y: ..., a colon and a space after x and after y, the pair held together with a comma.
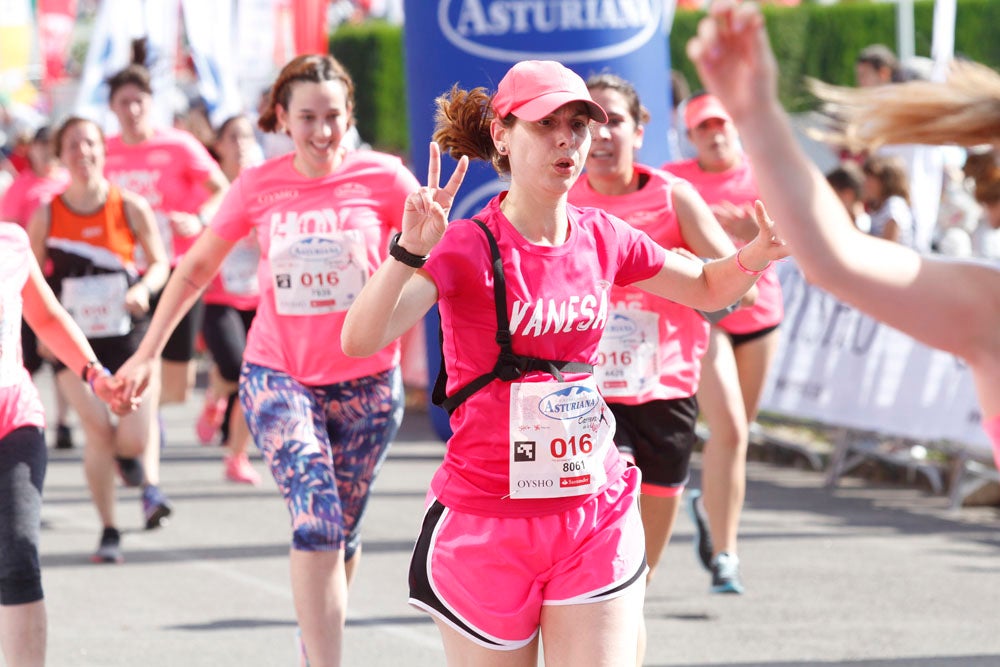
x: 741, y: 345
x: 322, y: 217
x: 532, y: 519
x: 919, y: 295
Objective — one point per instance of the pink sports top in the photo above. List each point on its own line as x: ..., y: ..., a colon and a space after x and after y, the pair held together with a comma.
x: 558, y: 303
x: 738, y: 186
x: 682, y: 332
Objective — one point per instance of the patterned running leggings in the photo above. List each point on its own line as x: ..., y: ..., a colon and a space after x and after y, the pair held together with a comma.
x: 324, y: 446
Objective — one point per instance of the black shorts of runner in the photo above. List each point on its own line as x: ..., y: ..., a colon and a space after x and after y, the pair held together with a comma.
x: 660, y: 436
x: 180, y: 345
x: 225, y: 330
x: 114, y: 351
x: 741, y: 338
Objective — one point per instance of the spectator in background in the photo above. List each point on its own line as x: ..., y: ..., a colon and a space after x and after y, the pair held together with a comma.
x: 887, y: 197
x: 876, y: 65
x: 847, y: 180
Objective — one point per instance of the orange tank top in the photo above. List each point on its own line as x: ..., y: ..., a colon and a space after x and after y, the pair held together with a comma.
x: 107, y: 227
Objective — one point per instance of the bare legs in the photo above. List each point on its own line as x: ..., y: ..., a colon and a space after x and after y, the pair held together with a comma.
x: 23, y: 630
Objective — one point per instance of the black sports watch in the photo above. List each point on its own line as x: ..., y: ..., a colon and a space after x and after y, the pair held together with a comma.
x: 401, y: 254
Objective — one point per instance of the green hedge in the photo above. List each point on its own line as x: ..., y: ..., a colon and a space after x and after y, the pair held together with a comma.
x: 814, y: 40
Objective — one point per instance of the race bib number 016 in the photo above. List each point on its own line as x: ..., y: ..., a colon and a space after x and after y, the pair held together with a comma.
x: 318, y: 274
x: 627, y: 359
x: 559, y: 436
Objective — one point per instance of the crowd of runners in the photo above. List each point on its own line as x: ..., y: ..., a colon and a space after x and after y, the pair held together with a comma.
x: 590, y: 313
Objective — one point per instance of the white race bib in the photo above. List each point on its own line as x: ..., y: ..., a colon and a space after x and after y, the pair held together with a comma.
x: 315, y: 274
x: 97, y: 304
x: 10, y: 336
x: 628, y: 362
x: 559, y: 437
x: 239, y: 269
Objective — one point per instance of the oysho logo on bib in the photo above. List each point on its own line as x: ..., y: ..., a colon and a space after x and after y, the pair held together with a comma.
x: 569, y: 403
x: 608, y: 28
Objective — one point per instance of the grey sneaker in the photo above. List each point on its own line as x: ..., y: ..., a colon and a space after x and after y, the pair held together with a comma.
x: 109, y: 550
x: 702, y: 536
x: 130, y: 470
x: 726, y: 574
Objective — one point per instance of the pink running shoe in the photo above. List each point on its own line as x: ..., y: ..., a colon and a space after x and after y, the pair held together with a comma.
x: 238, y: 469
x: 210, y: 420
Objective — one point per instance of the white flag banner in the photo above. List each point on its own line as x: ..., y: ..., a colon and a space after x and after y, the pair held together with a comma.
x: 209, y: 27
x: 840, y: 367
x: 255, y: 37
x: 118, y: 23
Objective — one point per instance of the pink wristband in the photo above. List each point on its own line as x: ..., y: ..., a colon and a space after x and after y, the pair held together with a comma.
x: 744, y: 269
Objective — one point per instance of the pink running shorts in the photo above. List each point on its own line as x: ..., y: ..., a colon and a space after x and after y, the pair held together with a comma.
x: 488, y: 577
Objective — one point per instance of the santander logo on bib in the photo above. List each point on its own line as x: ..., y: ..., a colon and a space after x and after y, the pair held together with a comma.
x: 569, y: 403
x: 613, y: 28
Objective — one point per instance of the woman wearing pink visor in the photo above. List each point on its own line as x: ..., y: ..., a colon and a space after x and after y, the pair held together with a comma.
x: 532, y: 521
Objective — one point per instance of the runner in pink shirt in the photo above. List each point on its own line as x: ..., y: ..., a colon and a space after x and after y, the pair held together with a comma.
x: 741, y: 347
x: 23, y: 625
x: 33, y: 187
x: 183, y: 184
x: 531, y: 485
x: 923, y: 296
x: 649, y: 360
x: 230, y: 305
x: 322, y: 218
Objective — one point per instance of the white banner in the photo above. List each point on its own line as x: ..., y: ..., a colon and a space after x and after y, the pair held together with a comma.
x: 118, y: 23
x: 256, y: 62
x: 840, y: 367
x: 209, y: 27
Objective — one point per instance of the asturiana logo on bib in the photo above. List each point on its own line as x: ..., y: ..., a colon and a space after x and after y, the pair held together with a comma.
x: 316, y: 248
x: 613, y: 28
x: 620, y: 326
x: 569, y: 403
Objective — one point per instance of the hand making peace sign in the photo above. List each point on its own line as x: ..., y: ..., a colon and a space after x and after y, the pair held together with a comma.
x: 425, y: 213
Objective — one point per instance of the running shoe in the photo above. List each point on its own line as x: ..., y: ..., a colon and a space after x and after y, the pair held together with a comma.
x: 155, y: 507
x: 64, y: 437
x: 726, y: 574
x: 109, y: 550
x: 702, y: 536
x: 210, y: 419
x: 238, y: 469
x: 131, y: 471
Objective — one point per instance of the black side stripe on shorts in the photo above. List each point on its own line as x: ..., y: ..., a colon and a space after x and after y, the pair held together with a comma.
x: 420, y: 585
x: 639, y: 573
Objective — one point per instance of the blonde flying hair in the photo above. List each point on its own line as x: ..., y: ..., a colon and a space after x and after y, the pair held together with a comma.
x: 963, y: 110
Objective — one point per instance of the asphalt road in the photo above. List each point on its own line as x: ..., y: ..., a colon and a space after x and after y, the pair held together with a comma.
x: 861, y: 575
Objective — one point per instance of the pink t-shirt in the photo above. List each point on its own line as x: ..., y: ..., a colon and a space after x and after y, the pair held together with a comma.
x: 557, y: 300
x: 169, y: 170
x: 683, y: 333
x: 28, y: 192
x: 738, y: 186
x: 319, y: 239
x: 235, y: 285
x: 19, y: 402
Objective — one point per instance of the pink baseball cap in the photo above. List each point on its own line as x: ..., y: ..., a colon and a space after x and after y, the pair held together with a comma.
x: 702, y: 108
x: 532, y: 89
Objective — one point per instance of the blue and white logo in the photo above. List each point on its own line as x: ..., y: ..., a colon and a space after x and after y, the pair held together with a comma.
x: 510, y: 30
x: 317, y: 248
x: 569, y: 403
x: 620, y: 326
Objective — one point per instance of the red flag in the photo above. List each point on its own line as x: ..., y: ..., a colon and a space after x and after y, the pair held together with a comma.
x: 310, y: 26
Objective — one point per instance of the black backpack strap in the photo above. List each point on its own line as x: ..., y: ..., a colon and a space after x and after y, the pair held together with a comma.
x: 509, y: 366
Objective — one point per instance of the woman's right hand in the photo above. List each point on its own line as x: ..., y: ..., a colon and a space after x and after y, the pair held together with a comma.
x: 734, y: 59
x: 133, y: 377
x: 425, y: 213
